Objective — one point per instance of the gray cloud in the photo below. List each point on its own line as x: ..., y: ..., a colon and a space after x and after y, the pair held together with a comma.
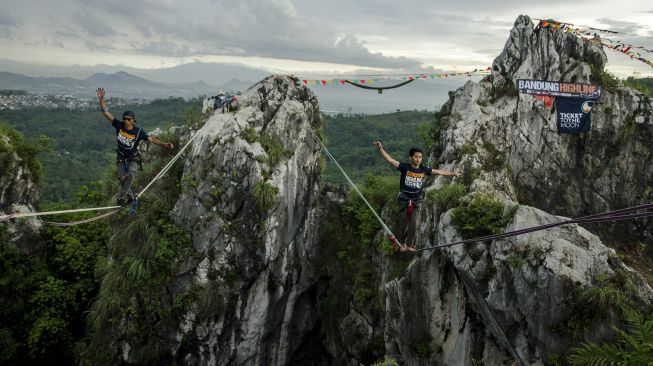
x: 93, y: 46
x: 272, y: 29
x: 6, y: 33
x: 53, y: 42
x: 620, y: 26
x: 46, y: 41
x: 66, y: 31
x: 363, y: 33
x: 162, y: 48
x: 415, y: 7
x: 145, y: 29
x: 134, y: 10
x: 630, y: 33
x: 92, y: 24
x: 8, y: 20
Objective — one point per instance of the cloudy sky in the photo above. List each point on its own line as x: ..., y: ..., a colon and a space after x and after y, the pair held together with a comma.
x: 298, y: 35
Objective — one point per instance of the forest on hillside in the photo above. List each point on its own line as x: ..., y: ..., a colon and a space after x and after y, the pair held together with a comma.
x: 80, y: 144
x: 52, y: 305
x: 350, y: 137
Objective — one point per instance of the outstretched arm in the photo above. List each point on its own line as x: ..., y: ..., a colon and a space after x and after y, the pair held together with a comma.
x: 385, y: 155
x: 445, y: 172
x: 103, y: 105
x: 155, y: 140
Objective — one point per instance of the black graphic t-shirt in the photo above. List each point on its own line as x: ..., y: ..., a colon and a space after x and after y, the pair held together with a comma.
x: 412, y: 179
x: 128, y: 139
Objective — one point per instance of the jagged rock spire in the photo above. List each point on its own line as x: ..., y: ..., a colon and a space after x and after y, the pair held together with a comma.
x: 547, y: 54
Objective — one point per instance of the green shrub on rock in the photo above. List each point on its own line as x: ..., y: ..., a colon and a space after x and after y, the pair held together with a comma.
x: 265, y: 194
x: 634, y: 347
x: 274, y: 148
x: 446, y: 197
x: 249, y: 134
x: 484, y: 215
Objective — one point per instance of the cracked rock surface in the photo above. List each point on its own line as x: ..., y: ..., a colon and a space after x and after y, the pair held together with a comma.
x: 18, y: 194
x: 257, y: 258
x: 505, y: 300
x: 273, y: 266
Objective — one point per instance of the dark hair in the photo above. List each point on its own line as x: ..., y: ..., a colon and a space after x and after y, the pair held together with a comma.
x: 130, y: 114
x: 414, y: 150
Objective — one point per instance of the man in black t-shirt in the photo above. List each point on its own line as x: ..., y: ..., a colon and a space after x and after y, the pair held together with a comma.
x: 128, y: 136
x: 410, y: 192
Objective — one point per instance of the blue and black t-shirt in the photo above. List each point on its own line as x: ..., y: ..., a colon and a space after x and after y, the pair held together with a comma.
x: 128, y: 139
x: 412, y: 179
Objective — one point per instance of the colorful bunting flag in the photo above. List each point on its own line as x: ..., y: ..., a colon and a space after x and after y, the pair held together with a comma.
x: 614, y: 45
x: 342, y: 81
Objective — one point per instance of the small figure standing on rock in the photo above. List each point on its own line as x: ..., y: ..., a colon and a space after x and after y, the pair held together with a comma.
x: 128, y: 136
x: 223, y: 102
x: 410, y: 192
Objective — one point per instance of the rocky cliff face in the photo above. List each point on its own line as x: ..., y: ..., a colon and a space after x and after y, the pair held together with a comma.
x: 506, y: 300
x: 274, y: 278
x: 607, y: 168
x: 250, y: 201
x: 18, y: 193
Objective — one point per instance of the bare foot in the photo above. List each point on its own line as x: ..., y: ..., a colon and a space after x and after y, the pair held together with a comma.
x: 409, y: 248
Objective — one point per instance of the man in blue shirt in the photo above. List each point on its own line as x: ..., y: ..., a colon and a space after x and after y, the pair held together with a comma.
x: 410, y: 192
x: 128, y: 136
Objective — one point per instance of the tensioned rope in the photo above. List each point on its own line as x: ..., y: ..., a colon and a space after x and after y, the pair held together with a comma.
x: 30, y: 214
x: 7, y: 217
x: 163, y: 171
x: 379, y: 88
x: 73, y: 223
x: 486, y: 312
x: 391, y: 236
x: 168, y: 166
x: 416, y: 75
x: 488, y: 316
x: 616, y: 215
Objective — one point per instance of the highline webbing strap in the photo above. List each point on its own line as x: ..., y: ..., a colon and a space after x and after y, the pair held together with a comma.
x: 391, y: 235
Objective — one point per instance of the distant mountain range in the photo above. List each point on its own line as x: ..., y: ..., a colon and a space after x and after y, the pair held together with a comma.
x: 212, y: 73
x: 120, y: 84
x: 195, y: 79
